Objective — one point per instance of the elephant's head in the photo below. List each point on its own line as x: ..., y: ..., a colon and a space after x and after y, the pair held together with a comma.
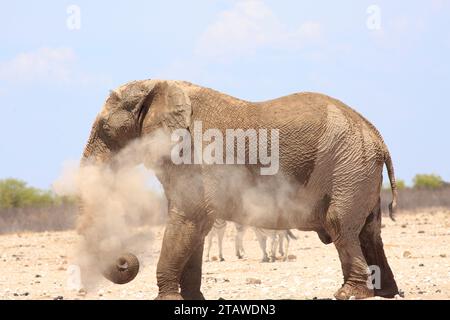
x: 131, y: 111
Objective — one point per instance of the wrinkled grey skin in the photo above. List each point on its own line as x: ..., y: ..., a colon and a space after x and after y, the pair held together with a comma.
x: 330, y: 155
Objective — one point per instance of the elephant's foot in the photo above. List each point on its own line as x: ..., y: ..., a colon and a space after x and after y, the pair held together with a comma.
x: 388, y: 292
x: 273, y: 259
x: 358, y: 291
x: 192, y: 295
x: 265, y: 259
x: 240, y: 256
x: 222, y: 259
x: 169, y: 296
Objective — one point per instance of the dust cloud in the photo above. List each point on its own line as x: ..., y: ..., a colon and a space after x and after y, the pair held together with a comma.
x: 118, y: 207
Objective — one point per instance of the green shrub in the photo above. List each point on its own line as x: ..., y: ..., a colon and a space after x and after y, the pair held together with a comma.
x: 428, y: 181
x: 401, y: 184
x: 17, y: 194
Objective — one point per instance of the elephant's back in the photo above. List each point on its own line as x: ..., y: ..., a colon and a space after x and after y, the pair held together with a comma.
x: 304, y: 115
x: 303, y: 107
x: 309, y: 124
x: 294, y: 110
x: 326, y: 132
x: 302, y: 111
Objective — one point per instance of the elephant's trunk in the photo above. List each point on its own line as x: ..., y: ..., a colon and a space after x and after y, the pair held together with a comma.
x: 123, y: 270
x: 126, y: 266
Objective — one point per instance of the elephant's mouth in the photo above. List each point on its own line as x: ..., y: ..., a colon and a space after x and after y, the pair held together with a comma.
x: 123, y: 270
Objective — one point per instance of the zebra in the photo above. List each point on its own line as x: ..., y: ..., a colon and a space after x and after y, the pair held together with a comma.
x: 218, y: 229
x: 238, y: 241
x: 276, y: 237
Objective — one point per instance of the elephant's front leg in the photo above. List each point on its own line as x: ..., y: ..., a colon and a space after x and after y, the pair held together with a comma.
x: 181, y: 249
x: 191, y: 278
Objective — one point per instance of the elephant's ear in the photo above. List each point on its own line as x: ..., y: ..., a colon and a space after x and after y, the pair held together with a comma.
x: 167, y: 105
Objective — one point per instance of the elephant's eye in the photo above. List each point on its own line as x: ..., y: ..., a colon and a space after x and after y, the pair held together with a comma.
x: 105, y: 126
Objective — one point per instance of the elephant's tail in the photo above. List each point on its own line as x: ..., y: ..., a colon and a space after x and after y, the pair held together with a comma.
x: 390, y: 170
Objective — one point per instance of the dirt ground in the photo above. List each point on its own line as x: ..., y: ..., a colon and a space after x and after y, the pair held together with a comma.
x: 35, y: 265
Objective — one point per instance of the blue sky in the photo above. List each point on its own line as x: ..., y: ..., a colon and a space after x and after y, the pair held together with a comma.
x: 387, y: 59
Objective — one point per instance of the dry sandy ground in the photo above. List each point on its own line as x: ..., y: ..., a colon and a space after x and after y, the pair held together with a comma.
x: 34, y: 265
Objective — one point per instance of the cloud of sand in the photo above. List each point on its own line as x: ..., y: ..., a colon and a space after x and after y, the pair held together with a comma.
x: 271, y: 202
x: 117, y: 205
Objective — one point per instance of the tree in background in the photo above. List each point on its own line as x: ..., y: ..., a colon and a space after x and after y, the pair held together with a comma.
x: 401, y: 184
x: 17, y: 194
x: 428, y: 181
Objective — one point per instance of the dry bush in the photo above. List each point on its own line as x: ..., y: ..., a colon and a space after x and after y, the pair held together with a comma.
x: 55, y: 218
x: 58, y: 218
x: 413, y: 199
x: 63, y: 217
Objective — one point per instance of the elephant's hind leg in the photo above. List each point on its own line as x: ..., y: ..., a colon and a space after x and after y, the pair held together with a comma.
x: 372, y: 247
x: 354, y: 265
x: 355, y: 270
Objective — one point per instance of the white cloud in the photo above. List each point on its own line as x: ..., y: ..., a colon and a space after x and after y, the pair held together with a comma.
x: 310, y: 30
x: 438, y: 5
x: 248, y: 26
x: 400, y: 32
x: 54, y: 65
x: 42, y: 64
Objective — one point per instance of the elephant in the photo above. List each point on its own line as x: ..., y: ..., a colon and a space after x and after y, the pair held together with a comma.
x: 330, y: 155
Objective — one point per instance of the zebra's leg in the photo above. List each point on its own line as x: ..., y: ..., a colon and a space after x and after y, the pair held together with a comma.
x: 286, y: 248
x: 262, y: 244
x: 281, y: 236
x: 210, y: 237
x: 220, y: 234
x: 238, y: 243
x: 273, y: 246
